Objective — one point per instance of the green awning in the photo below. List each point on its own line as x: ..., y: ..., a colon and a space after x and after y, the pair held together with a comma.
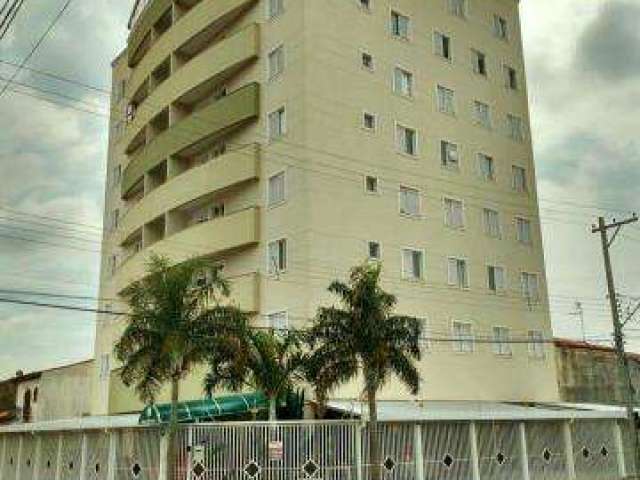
x: 206, y: 409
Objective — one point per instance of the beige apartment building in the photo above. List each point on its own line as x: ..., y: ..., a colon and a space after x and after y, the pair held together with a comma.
x: 293, y: 139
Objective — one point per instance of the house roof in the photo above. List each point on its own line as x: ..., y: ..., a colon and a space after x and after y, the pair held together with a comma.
x: 37, y: 374
x: 580, y: 345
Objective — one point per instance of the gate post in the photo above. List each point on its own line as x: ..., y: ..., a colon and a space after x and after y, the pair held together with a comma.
x: 37, y: 461
x: 19, y: 459
x: 524, y: 454
x: 418, y: 452
x: 59, y: 457
x: 164, y: 470
x: 568, y: 447
x: 617, y: 438
x: 112, y: 462
x: 83, y: 456
x: 359, y: 431
x: 3, y: 452
x: 475, y: 458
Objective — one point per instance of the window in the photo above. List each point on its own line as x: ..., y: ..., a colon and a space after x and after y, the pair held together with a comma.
x: 510, y: 78
x: 277, y: 192
x: 500, y: 27
x: 426, y: 333
x: 482, y: 114
x: 104, y: 366
x: 366, y: 4
x: 458, y: 8
x: 449, y: 155
x: 491, y: 220
x: 403, y: 82
x: 277, y: 123
x: 412, y: 264
x: 277, y: 256
x: 399, y: 25
x: 479, y: 61
x: 495, y: 278
x: 276, y: 62
x: 501, y: 339
x: 409, y: 201
x: 407, y: 140
x: 442, y: 45
x: 369, y: 121
x: 446, y: 100
x: 536, y: 344
x: 519, y: 179
x: 453, y: 213
x: 515, y: 128
x: 463, y: 337
x: 530, y: 289
x: 275, y: 8
x: 371, y: 184
x: 523, y: 230
x: 486, y: 167
x: 207, y: 213
x: 374, y: 251
x: 458, y: 273
x: 278, y: 320
x: 367, y: 61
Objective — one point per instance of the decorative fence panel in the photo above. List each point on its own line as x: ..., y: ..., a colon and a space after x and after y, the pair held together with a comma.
x: 500, y: 451
x: 48, y: 458
x: 447, y: 451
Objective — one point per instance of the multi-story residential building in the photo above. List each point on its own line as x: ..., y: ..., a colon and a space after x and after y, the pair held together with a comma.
x: 293, y: 139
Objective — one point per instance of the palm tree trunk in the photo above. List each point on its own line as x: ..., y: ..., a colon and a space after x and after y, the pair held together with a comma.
x: 273, y: 409
x: 173, y: 424
x: 374, y: 441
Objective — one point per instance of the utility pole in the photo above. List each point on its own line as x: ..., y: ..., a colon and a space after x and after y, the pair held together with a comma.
x: 580, y: 314
x: 624, y: 374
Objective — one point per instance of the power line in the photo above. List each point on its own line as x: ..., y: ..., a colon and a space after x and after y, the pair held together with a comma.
x: 10, y: 18
x: 36, y: 46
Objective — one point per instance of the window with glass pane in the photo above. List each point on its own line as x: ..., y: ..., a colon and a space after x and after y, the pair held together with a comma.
x: 482, y: 114
x: 530, y: 289
x: 371, y: 184
x: 276, y: 62
x: 495, y: 278
x: 486, y: 167
x: 536, y: 344
x: 458, y: 8
x: 278, y: 320
x: 492, y: 223
x: 409, y: 201
x: 523, y: 230
x: 479, y: 62
x: 510, y: 78
x: 449, y: 155
x: 403, y: 82
x: 277, y: 256
x: 412, y: 264
x: 454, y: 213
x: 399, y: 25
x: 275, y: 8
x: 277, y: 123
x: 367, y: 61
x: 442, y: 44
x: 374, y: 250
x: 368, y: 121
x: 277, y: 189
x: 407, y: 140
x: 501, y: 339
x: 463, y: 337
x: 458, y: 272
x: 519, y: 175
x: 446, y: 100
x: 500, y: 27
x: 515, y: 128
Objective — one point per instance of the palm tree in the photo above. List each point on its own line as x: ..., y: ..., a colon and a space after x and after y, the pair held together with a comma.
x: 175, y: 319
x: 363, y: 337
x: 267, y: 361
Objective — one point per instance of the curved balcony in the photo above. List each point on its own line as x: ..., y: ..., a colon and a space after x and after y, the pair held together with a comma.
x: 211, y: 66
x: 218, y: 118
x: 223, y: 172
x: 205, y: 15
x: 236, y: 231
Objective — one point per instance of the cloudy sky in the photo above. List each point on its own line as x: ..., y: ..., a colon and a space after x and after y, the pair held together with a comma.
x: 583, y: 62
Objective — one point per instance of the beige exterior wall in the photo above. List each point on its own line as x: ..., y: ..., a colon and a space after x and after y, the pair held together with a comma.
x: 328, y: 218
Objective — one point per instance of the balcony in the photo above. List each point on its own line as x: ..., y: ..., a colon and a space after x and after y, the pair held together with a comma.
x: 236, y: 231
x: 229, y: 170
x: 218, y: 118
x: 142, y: 29
x: 210, y: 67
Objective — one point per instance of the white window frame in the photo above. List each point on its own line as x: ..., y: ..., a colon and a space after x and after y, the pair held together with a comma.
x: 411, y: 83
x: 516, y: 220
x: 365, y: 8
x: 418, y: 214
x: 445, y: 199
x: 506, y: 72
x: 480, y: 157
x: 453, y: 100
x: 273, y: 270
x: 477, y: 120
x: 514, y: 186
x: 438, y: 48
x: 536, y: 345
x: 501, y: 33
x: 395, y: 11
x: 427, y: 343
x: 375, y: 121
x: 271, y: 76
x: 503, y: 288
x: 272, y: 313
x: 464, y: 14
x: 466, y: 285
x: 531, y: 299
x: 444, y: 163
x: 423, y: 264
x: 283, y: 132
x: 485, y: 224
x: 502, y: 346
x: 271, y: 204
x: 366, y: 186
x: 511, y: 120
x: 379, y: 244
x: 460, y: 341
x: 475, y: 54
x: 272, y: 15
x: 400, y: 146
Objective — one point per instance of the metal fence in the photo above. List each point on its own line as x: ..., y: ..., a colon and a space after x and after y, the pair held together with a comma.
x: 532, y: 450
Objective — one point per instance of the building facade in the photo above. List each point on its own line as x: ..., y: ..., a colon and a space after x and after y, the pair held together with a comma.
x: 588, y: 373
x: 293, y: 139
